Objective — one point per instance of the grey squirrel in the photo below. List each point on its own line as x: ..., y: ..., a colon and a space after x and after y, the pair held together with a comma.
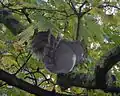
x: 59, y: 56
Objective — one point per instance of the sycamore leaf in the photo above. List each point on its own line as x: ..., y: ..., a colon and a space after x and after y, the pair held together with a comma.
x: 109, y: 19
x: 116, y: 39
x: 8, y: 60
x: 33, y: 63
x: 95, y: 2
x: 96, y: 10
x: 61, y: 4
x: 2, y: 44
x: 83, y: 32
x: 72, y: 27
x: 26, y: 34
x: 94, y: 28
x: 42, y: 22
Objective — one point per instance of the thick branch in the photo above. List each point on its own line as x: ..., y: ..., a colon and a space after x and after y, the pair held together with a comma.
x: 108, y: 60
x: 92, y: 81
x: 105, y: 64
x: 83, y: 80
x: 78, y: 80
x: 19, y: 83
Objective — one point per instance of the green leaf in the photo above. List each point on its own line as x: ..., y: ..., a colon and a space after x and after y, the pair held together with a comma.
x: 95, y: 2
x: 2, y: 44
x: 33, y: 63
x: 42, y: 22
x: 96, y: 11
x: 26, y: 34
x: 94, y: 28
x: 8, y: 60
x: 59, y: 3
x: 109, y: 19
x: 84, y: 32
x: 116, y: 39
x: 73, y: 27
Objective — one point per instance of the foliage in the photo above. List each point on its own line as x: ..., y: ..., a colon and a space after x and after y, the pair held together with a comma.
x: 99, y: 28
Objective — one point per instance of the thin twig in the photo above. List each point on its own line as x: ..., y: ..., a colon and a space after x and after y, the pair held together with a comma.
x: 32, y: 76
x: 2, y: 4
x: 79, y: 16
x: 78, y: 27
x: 5, y: 6
x: 73, y: 7
x: 108, y: 5
x: 83, y: 13
x: 80, y: 8
x: 16, y: 59
x: 29, y: 56
x: 26, y: 15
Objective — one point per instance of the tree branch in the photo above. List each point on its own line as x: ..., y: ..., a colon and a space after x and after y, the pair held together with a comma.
x: 78, y: 27
x: 73, y: 7
x: 79, y: 16
x: 79, y: 80
x: 97, y: 80
x: 80, y: 8
x: 29, y: 55
x: 108, y: 5
x: 27, y: 15
x: 19, y: 83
